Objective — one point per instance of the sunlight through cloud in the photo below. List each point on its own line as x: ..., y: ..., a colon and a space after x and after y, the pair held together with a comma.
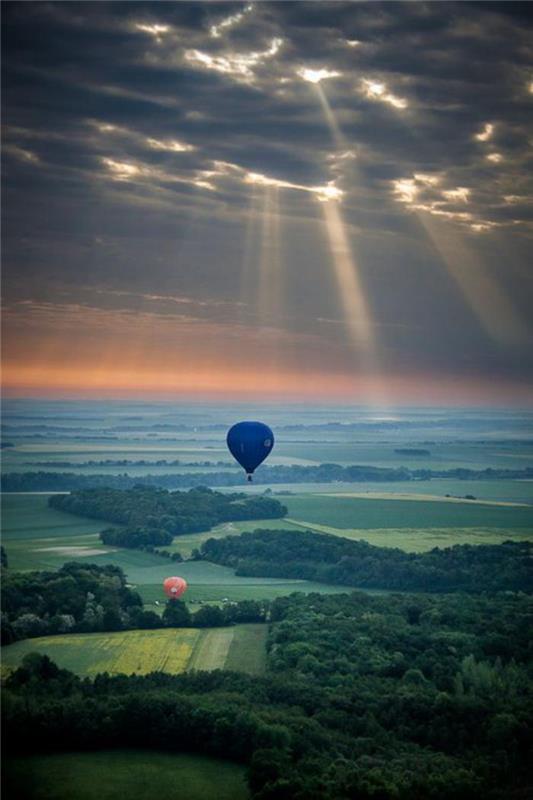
x: 216, y: 30
x: 238, y: 65
x: 376, y: 90
x: 480, y: 289
x: 121, y: 170
x: 461, y: 194
x: 157, y: 31
x: 316, y: 75
x: 486, y: 133
x: 172, y: 145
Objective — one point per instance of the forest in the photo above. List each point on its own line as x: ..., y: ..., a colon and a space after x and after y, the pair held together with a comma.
x: 43, y: 481
x: 86, y: 598
x: 333, y: 559
x: 199, y: 509
x: 397, y: 698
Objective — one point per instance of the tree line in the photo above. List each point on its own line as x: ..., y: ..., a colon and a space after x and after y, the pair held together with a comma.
x: 333, y: 559
x: 86, y: 598
x: 43, y: 481
x: 397, y: 698
x: 153, y: 517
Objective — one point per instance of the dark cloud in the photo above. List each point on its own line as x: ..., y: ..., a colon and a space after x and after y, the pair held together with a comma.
x: 131, y: 130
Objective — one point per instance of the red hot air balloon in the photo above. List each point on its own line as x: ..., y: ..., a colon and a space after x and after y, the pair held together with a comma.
x: 174, y: 587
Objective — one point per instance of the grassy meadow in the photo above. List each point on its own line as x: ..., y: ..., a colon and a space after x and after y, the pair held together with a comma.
x: 175, y: 650
x: 420, y: 540
x: 342, y: 511
x: 118, y: 774
x: 37, y: 537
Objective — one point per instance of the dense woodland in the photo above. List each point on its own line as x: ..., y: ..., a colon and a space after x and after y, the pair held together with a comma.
x: 365, y: 698
x: 324, y: 473
x: 154, y: 516
x: 333, y: 559
x: 403, y: 697
x: 85, y: 598
x: 77, y: 597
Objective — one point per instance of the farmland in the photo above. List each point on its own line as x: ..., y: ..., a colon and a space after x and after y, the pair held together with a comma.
x: 141, y: 652
x: 238, y: 589
x: 38, y: 537
x: 362, y: 513
x: 419, y: 540
x: 113, y: 775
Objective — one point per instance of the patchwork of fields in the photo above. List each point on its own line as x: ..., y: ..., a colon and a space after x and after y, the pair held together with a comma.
x: 118, y: 774
x: 173, y: 650
x: 38, y: 537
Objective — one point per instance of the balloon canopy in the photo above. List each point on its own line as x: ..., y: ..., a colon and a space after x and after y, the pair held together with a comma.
x: 250, y: 443
x: 174, y: 587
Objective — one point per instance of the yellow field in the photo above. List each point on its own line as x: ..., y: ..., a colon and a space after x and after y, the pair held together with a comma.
x: 171, y: 650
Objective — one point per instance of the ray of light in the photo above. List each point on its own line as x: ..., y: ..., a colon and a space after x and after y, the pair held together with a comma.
x: 338, y: 137
x: 270, y: 273
x: 347, y: 273
x: 481, y: 290
x: 249, y: 256
x: 347, y: 276
x: 355, y: 307
x: 489, y: 303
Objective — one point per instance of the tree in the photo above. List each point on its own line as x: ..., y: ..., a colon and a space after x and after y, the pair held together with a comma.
x: 267, y: 766
x: 176, y: 615
x: 145, y: 620
x: 29, y: 625
x: 208, y: 617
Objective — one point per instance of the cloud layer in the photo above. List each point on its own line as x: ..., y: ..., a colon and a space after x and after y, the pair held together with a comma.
x: 173, y: 172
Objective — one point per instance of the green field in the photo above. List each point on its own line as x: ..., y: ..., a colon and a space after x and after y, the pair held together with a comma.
x: 419, y: 540
x: 517, y: 491
x: 361, y: 513
x: 338, y: 449
x: 28, y: 516
x: 38, y: 537
x: 118, y: 774
x: 153, y: 598
x: 171, y: 650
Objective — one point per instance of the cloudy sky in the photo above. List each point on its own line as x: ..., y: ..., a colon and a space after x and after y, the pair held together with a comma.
x: 272, y: 200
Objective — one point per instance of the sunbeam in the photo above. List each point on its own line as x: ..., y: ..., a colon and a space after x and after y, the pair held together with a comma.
x: 355, y: 307
x: 249, y: 253
x: 348, y: 282
x: 491, y: 306
x: 338, y: 137
x: 269, y: 290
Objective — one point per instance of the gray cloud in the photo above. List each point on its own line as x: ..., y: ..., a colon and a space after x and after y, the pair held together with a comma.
x: 132, y: 130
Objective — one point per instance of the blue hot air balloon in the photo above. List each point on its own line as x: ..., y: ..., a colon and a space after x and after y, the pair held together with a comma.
x: 250, y: 443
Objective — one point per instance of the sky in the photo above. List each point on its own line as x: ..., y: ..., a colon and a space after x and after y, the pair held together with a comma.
x: 286, y: 201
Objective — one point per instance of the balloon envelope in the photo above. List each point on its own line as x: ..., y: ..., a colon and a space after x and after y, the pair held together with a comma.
x: 174, y: 587
x: 250, y: 443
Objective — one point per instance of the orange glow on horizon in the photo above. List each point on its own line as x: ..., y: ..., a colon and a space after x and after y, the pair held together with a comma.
x: 225, y: 386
